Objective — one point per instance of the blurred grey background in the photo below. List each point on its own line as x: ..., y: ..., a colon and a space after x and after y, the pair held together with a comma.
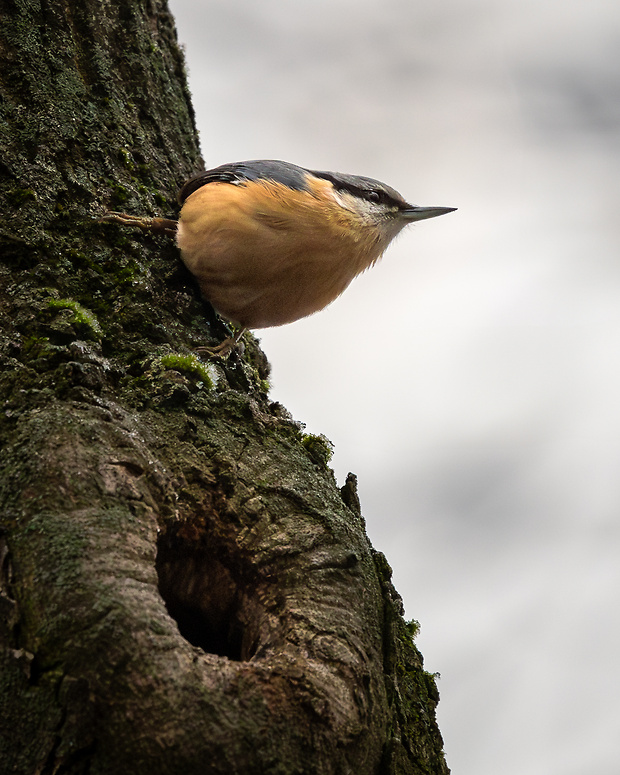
x: 471, y: 379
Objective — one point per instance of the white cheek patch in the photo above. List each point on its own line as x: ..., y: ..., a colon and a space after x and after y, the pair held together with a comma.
x: 338, y: 199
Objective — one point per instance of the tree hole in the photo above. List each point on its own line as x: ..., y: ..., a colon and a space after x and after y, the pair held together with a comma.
x: 204, y: 598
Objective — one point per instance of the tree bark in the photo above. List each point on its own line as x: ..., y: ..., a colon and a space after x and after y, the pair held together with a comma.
x: 184, y: 589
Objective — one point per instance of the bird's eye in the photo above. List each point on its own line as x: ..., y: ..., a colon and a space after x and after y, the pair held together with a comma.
x: 373, y: 196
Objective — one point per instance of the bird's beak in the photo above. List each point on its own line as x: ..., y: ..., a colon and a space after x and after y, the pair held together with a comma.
x: 414, y: 213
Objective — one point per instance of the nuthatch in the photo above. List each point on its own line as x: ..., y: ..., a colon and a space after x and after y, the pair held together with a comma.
x: 270, y: 242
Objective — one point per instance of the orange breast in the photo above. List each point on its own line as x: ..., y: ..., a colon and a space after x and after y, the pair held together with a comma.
x: 265, y: 255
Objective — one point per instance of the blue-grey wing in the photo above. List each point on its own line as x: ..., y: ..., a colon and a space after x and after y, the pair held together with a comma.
x: 241, y: 172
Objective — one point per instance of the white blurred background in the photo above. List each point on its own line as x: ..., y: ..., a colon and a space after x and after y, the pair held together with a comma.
x: 472, y: 379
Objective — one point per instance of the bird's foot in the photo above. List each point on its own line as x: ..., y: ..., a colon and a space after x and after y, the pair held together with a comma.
x: 225, y: 348
x: 165, y: 226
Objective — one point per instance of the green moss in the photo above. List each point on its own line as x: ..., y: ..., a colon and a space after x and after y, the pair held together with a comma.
x: 34, y: 347
x: 81, y: 316
x: 127, y: 159
x: 119, y: 194
x: 413, y: 628
x: 318, y: 447
x: 18, y: 196
x: 190, y: 364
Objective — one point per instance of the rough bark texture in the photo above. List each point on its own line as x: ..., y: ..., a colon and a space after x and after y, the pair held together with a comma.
x: 184, y: 589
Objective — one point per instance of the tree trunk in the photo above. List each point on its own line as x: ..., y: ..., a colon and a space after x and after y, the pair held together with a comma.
x: 184, y: 589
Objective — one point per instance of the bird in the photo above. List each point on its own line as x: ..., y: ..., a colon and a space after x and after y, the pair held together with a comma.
x: 270, y: 242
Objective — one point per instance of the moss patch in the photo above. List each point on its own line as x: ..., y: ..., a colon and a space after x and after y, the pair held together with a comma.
x: 190, y: 364
x: 82, y: 317
x: 320, y: 448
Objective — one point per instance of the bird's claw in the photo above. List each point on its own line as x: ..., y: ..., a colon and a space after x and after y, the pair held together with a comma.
x: 224, y: 348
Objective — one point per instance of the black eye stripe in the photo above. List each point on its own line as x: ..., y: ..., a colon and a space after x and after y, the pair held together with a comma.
x: 366, y: 188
